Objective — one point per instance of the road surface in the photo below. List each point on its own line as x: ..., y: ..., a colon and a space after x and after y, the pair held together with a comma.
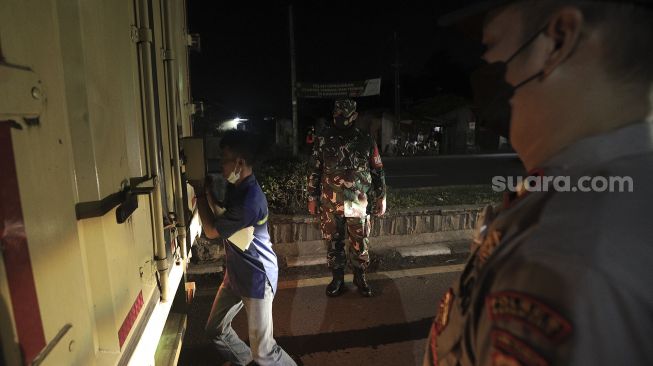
x: 388, y: 329
x: 445, y: 170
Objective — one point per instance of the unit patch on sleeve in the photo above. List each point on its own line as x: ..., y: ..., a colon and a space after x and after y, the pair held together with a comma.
x: 442, y: 319
x: 508, y: 350
x: 501, y: 359
x: 532, y: 313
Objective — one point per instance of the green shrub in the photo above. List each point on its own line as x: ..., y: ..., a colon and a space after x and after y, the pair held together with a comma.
x: 284, y: 183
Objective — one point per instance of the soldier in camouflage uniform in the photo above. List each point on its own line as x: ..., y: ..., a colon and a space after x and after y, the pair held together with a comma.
x: 347, y: 170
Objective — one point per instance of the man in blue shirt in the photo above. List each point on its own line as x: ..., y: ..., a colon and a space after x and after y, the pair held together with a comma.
x: 251, y: 273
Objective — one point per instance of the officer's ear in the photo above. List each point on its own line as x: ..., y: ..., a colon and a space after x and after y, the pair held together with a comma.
x: 562, y: 34
x: 354, y: 116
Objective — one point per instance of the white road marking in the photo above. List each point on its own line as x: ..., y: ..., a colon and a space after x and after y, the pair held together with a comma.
x: 309, y: 282
x: 323, y: 281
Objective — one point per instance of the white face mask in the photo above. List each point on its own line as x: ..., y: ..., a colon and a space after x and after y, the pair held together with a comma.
x: 233, y: 177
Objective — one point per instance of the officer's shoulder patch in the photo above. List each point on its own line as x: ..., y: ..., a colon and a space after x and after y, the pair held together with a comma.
x: 526, y: 310
x: 488, y: 245
x: 508, y: 350
x: 442, y: 319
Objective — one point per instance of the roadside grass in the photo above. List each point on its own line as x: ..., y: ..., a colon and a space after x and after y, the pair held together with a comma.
x: 441, y: 196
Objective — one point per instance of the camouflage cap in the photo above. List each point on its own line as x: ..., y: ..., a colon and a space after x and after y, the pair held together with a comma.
x: 345, y: 107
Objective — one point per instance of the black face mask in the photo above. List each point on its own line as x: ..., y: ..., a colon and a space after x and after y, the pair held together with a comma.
x: 492, y: 93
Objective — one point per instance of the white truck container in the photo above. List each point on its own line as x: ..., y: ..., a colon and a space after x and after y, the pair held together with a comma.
x: 95, y: 223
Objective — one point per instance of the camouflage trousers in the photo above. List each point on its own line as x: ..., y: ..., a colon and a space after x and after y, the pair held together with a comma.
x: 336, y: 229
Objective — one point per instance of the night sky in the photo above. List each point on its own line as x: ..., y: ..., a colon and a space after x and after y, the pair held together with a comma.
x: 244, y: 68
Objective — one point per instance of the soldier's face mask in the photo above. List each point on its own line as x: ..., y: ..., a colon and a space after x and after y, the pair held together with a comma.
x: 492, y: 92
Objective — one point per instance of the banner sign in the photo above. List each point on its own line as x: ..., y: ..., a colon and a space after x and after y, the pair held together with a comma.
x: 352, y: 89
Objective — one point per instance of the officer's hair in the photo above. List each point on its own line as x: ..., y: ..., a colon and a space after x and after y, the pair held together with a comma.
x: 627, y: 32
x: 246, y: 145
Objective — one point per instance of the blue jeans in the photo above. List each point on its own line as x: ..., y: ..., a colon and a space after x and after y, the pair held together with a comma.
x: 264, y: 349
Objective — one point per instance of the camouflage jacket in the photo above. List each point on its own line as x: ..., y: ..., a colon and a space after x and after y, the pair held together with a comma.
x: 346, y: 168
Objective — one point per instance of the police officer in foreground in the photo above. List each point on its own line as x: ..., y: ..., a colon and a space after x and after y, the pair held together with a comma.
x: 561, y: 278
x: 346, y: 172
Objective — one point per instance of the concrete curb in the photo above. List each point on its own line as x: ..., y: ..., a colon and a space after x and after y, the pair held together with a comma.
x: 304, y: 229
x: 411, y: 232
x: 435, y: 210
x: 420, y: 250
x: 424, y: 250
x: 441, y: 248
x: 306, y: 260
x: 377, y: 244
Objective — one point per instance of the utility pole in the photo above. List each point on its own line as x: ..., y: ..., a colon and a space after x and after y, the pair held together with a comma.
x: 293, y: 82
x: 397, y: 86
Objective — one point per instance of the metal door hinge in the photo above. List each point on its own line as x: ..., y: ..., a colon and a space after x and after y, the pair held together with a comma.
x: 139, y: 35
x: 167, y: 54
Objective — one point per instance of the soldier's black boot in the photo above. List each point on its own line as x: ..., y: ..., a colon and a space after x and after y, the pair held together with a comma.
x: 361, y: 282
x: 337, y: 285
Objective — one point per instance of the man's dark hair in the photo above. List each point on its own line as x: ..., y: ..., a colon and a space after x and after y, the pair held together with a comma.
x: 246, y: 145
x: 627, y: 31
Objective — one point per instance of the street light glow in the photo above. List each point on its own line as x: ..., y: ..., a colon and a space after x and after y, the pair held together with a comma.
x: 231, y: 124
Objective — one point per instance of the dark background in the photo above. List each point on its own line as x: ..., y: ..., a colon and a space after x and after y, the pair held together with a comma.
x: 243, y: 68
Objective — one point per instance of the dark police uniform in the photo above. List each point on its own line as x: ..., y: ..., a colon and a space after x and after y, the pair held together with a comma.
x: 560, y: 278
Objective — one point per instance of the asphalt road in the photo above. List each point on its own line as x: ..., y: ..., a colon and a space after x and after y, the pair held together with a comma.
x: 388, y: 329
x: 434, y: 171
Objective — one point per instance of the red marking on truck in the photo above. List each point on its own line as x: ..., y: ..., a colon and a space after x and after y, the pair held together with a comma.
x: 130, y: 319
x: 15, y: 254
